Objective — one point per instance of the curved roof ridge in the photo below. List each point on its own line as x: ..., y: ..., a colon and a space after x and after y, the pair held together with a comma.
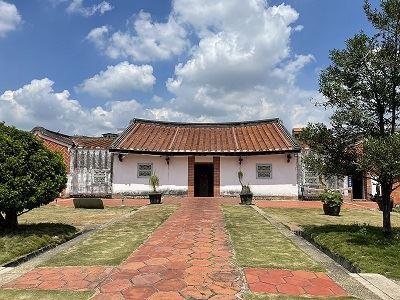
x: 205, y: 124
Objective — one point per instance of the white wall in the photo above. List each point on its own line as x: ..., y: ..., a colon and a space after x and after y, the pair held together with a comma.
x: 173, y: 177
x: 282, y: 183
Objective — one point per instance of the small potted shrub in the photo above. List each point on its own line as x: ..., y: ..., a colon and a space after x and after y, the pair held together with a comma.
x: 246, y: 196
x: 154, y: 196
x: 332, y: 201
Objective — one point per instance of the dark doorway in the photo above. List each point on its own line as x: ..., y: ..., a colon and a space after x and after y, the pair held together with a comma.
x: 358, y: 186
x: 203, y: 180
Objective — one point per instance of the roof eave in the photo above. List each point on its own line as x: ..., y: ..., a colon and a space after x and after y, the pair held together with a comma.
x: 202, y: 153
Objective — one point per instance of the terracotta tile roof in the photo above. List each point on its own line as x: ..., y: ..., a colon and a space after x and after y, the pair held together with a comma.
x: 92, y: 142
x: 85, y: 142
x: 252, y: 137
x: 63, y: 138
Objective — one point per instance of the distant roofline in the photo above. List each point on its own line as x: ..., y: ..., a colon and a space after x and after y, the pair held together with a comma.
x: 205, y: 124
x: 70, y: 140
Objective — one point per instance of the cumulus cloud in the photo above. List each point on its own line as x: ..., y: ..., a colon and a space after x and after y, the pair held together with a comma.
x: 9, y: 18
x: 145, y: 40
x: 239, y: 65
x: 37, y: 104
x: 123, y: 77
x: 243, y: 66
x: 77, y: 7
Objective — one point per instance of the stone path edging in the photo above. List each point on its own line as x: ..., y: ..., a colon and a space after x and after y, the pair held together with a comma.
x: 9, y: 274
x: 334, y: 270
x: 380, y: 285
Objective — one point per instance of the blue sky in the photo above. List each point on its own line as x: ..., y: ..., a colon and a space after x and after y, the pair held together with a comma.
x: 90, y: 66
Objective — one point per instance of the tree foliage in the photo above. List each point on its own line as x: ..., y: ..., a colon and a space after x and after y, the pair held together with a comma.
x: 362, y: 86
x: 30, y: 175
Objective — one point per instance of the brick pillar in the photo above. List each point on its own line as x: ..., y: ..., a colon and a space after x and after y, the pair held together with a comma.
x: 368, y: 188
x: 217, y: 176
x: 190, y: 176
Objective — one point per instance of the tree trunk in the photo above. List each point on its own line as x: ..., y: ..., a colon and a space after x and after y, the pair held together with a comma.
x: 386, y: 191
x: 11, y: 218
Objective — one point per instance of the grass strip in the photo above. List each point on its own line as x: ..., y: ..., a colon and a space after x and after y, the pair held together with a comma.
x: 113, y: 244
x: 253, y: 296
x: 26, y: 238
x: 315, y: 216
x: 77, y: 217
x: 259, y: 244
x: 364, y: 246
x: 43, y: 295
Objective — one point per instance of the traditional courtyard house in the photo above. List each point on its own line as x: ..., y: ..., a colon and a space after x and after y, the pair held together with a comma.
x: 87, y: 159
x: 203, y: 159
x: 359, y: 186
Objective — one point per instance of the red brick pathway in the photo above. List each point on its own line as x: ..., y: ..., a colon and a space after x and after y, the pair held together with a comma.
x: 292, y: 283
x: 64, y: 278
x: 186, y: 257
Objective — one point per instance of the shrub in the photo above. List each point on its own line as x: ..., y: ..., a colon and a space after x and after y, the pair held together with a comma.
x: 331, y: 198
x: 154, y: 182
x: 31, y: 175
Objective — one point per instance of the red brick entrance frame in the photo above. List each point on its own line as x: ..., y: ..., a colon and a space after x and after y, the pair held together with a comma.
x: 217, y: 177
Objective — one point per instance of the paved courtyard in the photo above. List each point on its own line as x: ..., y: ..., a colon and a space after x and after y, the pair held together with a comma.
x: 188, y: 257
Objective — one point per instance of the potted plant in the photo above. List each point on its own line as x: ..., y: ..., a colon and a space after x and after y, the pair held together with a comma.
x: 246, y: 196
x: 332, y: 201
x: 154, y: 196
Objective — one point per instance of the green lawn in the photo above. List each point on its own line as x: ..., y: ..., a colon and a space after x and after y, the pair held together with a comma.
x: 51, y: 225
x: 111, y: 245
x: 251, y: 296
x: 315, y: 216
x: 77, y: 217
x: 30, y: 237
x: 43, y: 295
x: 259, y: 244
x: 362, y: 245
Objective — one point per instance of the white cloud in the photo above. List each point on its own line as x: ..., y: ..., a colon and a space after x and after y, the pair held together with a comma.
x: 123, y: 77
x: 77, y: 7
x: 37, y: 104
x: 148, y: 41
x: 9, y: 18
x: 243, y: 66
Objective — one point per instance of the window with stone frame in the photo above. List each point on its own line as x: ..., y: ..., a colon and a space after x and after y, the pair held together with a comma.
x: 99, y: 176
x: 144, y: 170
x: 264, y: 171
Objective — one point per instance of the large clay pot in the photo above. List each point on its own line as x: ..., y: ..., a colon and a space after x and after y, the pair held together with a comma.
x: 246, y: 199
x: 155, y: 198
x: 331, y: 210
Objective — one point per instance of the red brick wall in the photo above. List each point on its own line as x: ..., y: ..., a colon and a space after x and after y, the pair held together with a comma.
x: 190, y: 176
x: 396, y: 194
x: 63, y: 150
x: 217, y: 176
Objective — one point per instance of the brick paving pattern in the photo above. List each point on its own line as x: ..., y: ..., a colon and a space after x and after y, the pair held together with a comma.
x: 63, y: 278
x: 186, y: 257
x: 292, y: 283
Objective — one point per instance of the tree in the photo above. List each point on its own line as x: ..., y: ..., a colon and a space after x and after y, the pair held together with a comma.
x: 362, y: 87
x: 30, y: 174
